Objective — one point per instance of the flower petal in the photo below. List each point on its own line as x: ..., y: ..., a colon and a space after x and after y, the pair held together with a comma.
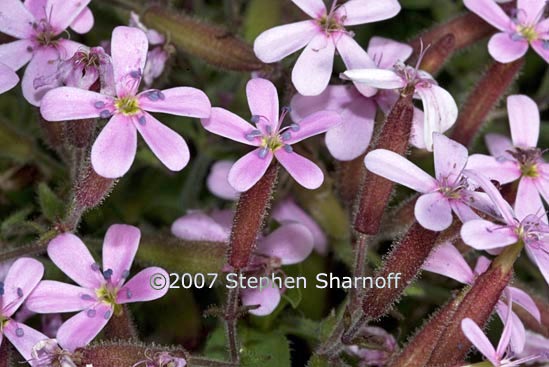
x: 263, y: 101
x: 291, y: 243
x: 52, y: 297
x: 140, y: 287
x: 387, y: 52
x: 490, y: 12
x: 228, y: 125
x: 540, y: 46
x: 504, y: 49
x: 483, y: 263
x: 313, y: 69
x: 276, y: 43
x: 450, y: 158
x: 508, y: 329
x: 314, y: 124
x: 541, y: 258
x: 542, y: 183
x: 82, y: 328
x: 376, y: 78
x: 356, y: 12
x: 83, y: 23
x: 313, y: 8
x: 62, y: 13
x: 267, y: 297
x: 22, y: 277
x: 16, y: 54
x: 218, y: 181
x: 198, y: 226
x: 22, y: 337
x: 249, y: 169
x: 355, y: 57
x: 119, y: 248
x: 463, y: 211
x: 15, y: 19
x: 8, y: 78
x: 433, y: 211
x: 498, y: 145
x: 523, y: 120
x: 305, y: 172
x: 523, y: 299
x: 398, y: 169
x: 528, y: 201
x: 167, y: 145
x: 503, y: 172
x: 129, y: 48
x: 482, y: 234
x: 72, y: 256
x: 181, y: 101
x: 114, y: 149
x: 479, y: 340
x: 68, y: 103
x: 44, y: 62
x: 333, y: 98
x: 446, y: 260
x: 531, y: 9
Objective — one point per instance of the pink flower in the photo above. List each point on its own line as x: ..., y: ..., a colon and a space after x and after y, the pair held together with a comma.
x: 439, y: 107
x: 100, y: 293
x: 8, y: 78
x: 114, y: 150
x: 21, y: 279
x: 321, y: 36
x: 528, y: 26
x: 528, y: 223
x: 218, y: 180
x: 37, y: 26
x: 449, y: 191
x: 519, y: 158
x: 270, y: 139
x: 448, y: 261
x: 383, y: 346
x: 162, y: 359
x: 535, y: 345
x: 48, y: 352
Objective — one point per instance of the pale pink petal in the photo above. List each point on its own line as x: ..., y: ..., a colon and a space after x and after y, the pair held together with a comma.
x: 129, y: 48
x: 540, y: 46
x: 68, y: 103
x: 22, y: 337
x: 305, y: 172
x: 8, y: 78
x: 483, y: 263
x: 398, y: 169
x: 314, y: 124
x: 140, y: 287
x: 249, y: 169
x: 440, y: 111
x: 523, y: 120
x: 289, y: 211
x: 313, y: 8
x: 83, y: 23
x: 52, y: 297
x: 355, y: 57
x: 15, y: 19
x: 119, y: 249
x: 263, y: 101
x: 418, y: 129
x: 276, y: 43
x: 63, y: 12
x: 523, y: 299
x: 67, y: 48
x: 463, y: 211
x: 387, y: 52
x: 228, y: 125
x: 355, y: 12
x: 433, y: 211
x: 167, y: 145
x: 72, y: 256
x: 114, y: 149
x: 450, y: 158
x: 351, y: 138
x: 498, y: 145
x: 268, y: 297
x: 36, y: 7
x: 81, y: 329
x: 447, y: 260
x: 504, y: 49
x: 218, y: 181
x: 181, y: 101
x: 333, y: 98
x: 542, y: 183
x: 528, y: 200
x: 541, y: 257
x: 44, y: 62
x: 376, y: 78
x: 16, y: 54
x: 224, y: 218
x: 503, y: 171
x: 313, y: 68
x: 532, y: 9
x: 490, y: 12
x: 482, y: 234
x: 21, y: 279
x: 291, y: 243
x: 197, y: 226
x: 508, y: 329
x: 517, y: 332
x: 479, y: 340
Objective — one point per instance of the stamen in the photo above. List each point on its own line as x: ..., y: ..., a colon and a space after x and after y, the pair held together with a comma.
x: 286, y: 135
x: 91, y: 313
x: 517, y: 37
x: 86, y: 297
x: 546, y: 44
x: 269, y: 129
x: 263, y: 152
x: 99, y: 105
x: 155, y: 95
x: 105, y: 114
x: 135, y: 73
x: 95, y: 267
x: 295, y: 127
x: 107, y: 315
x: 19, y: 293
x: 288, y: 148
x: 1, y: 288
x: 254, y: 119
x: 129, y: 293
x: 142, y: 120
x: 252, y: 135
x: 19, y: 332
x: 107, y: 274
x: 125, y: 274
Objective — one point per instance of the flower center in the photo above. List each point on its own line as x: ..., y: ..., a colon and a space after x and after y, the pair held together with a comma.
x: 127, y: 106
x: 44, y: 34
x: 329, y: 23
x: 527, y: 32
x: 528, y: 160
x: 108, y: 294
x: 531, y: 230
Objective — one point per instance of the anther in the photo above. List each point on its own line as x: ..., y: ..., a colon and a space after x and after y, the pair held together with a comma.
x: 288, y: 148
x: 286, y: 109
x: 254, y: 119
x: 252, y: 135
x: 546, y: 44
x: 142, y: 120
x: 105, y: 114
x: 91, y: 313
x: 19, y: 293
x: 86, y: 297
x: 286, y: 135
x: 107, y: 274
x: 295, y: 127
x: 125, y: 274
x: 19, y: 332
x: 95, y: 267
x: 99, y: 105
x: 1, y: 288
x: 135, y: 73
x: 129, y: 293
x: 107, y: 315
x: 517, y: 37
x: 263, y: 152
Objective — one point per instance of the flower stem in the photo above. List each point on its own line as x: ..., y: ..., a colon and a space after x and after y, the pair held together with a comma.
x: 121, y: 326
x: 231, y: 319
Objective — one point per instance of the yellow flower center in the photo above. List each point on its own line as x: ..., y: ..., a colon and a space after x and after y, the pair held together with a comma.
x: 529, y: 170
x: 108, y: 295
x: 528, y: 32
x: 272, y: 142
x: 127, y: 105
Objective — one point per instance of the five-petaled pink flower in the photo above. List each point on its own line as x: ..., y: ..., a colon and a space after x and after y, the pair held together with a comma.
x: 518, y: 158
x: 269, y: 137
x: 114, y: 150
x: 527, y: 26
x: 450, y: 191
x: 37, y: 25
x: 21, y: 279
x: 101, y: 292
x: 321, y: 36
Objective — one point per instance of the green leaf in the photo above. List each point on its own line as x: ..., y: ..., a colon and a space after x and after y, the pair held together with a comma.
x: 51, y: 205
x: 293, y: 296
x: 15, y: 219
x: 260, y: 16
